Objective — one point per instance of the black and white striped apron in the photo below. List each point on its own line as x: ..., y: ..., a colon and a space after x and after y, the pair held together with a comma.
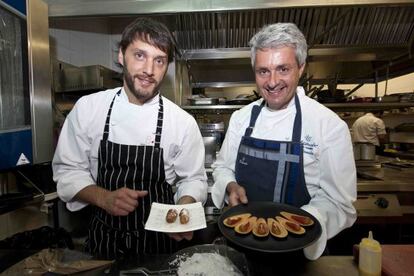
x: 138, y: 168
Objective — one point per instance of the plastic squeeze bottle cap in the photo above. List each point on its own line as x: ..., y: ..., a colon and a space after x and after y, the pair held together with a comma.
x: 369, y: 256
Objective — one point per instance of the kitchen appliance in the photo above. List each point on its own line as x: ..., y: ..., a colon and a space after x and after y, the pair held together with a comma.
x: 70, y: 78
x: 213, y: 135
x: 25, y: 97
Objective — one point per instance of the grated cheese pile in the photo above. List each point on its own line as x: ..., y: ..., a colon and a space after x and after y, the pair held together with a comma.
x: 207, y: 264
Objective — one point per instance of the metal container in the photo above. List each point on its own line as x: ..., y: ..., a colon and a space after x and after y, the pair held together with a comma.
x: 213, y: 135
x: 367, y: 151
x: 203, y: 101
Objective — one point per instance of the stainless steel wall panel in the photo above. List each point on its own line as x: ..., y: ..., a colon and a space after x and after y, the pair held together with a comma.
x: 40, y: 81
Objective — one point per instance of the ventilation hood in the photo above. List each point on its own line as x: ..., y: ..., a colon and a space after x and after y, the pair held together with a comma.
x: 362, y: 41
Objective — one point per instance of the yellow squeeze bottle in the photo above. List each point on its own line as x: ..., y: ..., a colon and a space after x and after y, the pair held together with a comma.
x: 369, y: 257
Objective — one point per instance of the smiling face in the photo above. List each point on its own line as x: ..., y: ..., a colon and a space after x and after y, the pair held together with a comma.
x: 277, y: 75
x: 144, y: 67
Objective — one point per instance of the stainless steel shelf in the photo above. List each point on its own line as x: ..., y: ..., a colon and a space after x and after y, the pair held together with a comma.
x: 210, y: 107
x: 337, y: 107
x: 367, y: 106
x: 333, y: 106
x: 223, y: 84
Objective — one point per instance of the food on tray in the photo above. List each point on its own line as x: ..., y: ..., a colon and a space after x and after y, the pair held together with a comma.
x: 184, y: 216
x: 291, y: 226
x: 276, y: 229
x: 236, y: 219
x: 302, y: 220
x: 246, y: 226
x: 279, y: 226
x: 260, y: 228
x: 171, y: 216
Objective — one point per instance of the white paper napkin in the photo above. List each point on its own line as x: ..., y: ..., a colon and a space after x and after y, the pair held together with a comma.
x: 156, y: 220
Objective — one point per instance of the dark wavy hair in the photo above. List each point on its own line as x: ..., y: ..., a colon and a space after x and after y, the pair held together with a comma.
x: 149, y: 31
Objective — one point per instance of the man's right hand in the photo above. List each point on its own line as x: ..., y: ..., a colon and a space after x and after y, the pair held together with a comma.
x: 237, y: 194
x: 120, y: 202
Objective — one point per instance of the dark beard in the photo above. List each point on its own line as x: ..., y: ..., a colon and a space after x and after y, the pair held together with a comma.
x: 129, y: 81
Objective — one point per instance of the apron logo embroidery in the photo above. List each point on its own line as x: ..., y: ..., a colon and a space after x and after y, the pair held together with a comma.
x: 243, y: 161
x: 308, y: 145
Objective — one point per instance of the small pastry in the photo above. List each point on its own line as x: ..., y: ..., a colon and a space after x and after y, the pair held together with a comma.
x: 184, y: 216
x: 171, y: 215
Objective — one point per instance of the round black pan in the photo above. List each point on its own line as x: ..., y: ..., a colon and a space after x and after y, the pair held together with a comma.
x: 269, y: 244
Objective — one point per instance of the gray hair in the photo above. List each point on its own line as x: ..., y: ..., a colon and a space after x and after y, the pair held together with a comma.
x: 280, y: 35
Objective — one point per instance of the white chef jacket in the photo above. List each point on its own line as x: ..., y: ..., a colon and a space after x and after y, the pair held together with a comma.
x: 75, y: 163
x: 367, y: 128
x: 329, y: 164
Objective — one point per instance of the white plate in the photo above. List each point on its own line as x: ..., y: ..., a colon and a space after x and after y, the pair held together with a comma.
x: 156, y: 220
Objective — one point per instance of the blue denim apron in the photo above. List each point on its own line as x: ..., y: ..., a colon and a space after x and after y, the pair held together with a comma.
x: 272, y: 170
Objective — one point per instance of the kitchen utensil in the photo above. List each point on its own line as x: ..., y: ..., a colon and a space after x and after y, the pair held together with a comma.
x: 147, y: 272
x: 236, y: 257
x: 269, y: 244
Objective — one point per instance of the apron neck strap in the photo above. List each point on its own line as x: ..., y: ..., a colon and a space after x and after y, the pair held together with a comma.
x: 253, y: 117
x: 108, y: 116
x: 159, y: 124
x: 297, y: 125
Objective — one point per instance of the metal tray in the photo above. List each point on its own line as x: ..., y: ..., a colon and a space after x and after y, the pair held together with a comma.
x: 270, y: 244
x: 204, y: 101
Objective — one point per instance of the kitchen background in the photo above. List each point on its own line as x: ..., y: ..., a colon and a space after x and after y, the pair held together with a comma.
x: 365, y: 47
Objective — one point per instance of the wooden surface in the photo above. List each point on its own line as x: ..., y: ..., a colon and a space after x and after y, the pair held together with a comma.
x: 398, y: 260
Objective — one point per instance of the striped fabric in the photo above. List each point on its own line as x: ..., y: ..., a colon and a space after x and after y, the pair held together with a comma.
x: 138, y: 168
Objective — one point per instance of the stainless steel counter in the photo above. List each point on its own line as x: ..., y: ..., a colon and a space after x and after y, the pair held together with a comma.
x: 385, y: 180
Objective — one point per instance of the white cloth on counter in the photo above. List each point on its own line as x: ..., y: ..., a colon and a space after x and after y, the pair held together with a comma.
x: 329, y: 165
x: 367, y: 128
x: 75, y: 162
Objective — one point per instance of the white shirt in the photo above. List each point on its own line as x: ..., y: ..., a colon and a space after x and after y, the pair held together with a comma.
x: 75, y: 163
x: 329, y: 164
x: 367, y: 128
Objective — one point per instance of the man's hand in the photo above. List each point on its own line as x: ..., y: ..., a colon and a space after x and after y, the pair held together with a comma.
x: 237, y: 194
x: 184, y: 235
x: 120, y: 202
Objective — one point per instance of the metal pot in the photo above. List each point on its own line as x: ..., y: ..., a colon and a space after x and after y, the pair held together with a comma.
x: 364, y: 151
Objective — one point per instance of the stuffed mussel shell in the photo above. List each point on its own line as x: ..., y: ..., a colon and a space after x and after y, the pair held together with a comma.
x: 299, y: 219
x: 276, y: 229
x: 291, y: 226
x: 232, y: 221
x: 260, y: 228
